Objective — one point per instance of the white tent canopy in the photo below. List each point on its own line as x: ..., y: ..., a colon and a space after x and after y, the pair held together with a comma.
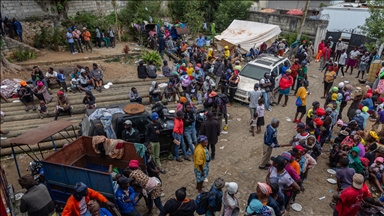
x: 248, y: 33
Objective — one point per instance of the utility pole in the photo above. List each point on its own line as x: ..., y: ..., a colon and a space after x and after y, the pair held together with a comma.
x: 116, y: 20
x: 303, y: 20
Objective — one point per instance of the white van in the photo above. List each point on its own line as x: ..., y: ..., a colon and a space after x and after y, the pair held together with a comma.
x: 255, y: 70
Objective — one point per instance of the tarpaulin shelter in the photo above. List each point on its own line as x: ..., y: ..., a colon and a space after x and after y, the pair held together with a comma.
x: 248, y: 33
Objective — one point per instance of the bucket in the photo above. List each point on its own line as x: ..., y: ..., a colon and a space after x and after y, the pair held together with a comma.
x: 208, y: 42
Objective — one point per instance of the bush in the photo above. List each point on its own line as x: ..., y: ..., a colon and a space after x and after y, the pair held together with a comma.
x: 50, y: 37
x: 151, y: 56
x: 230, y: 10
x: 23, y: 55
x: 291, y: 37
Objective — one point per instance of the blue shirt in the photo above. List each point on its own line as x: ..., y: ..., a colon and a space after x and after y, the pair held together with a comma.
x: 200, y: 42
x: 365, y: 116
x: 283, y: 69
x: 302, y: 164
x: 17, y: 26
x: 367, y: 102
x: 270, y: 136
x: 124, y: 206
x: 69, y: 37
x: 215, y: 198
x: 104, y: 212
x: 199, y: 77
x: 61, y: 77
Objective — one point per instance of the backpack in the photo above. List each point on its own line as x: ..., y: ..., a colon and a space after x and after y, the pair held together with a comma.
x: 223, y: 97
x: 202, y: 202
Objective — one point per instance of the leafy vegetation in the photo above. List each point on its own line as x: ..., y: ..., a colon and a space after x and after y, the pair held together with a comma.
x: 374, y: 24
x: 151, y: 56
x: 23, y: 55
x: 112, y: 60
x: 50, y: 37
x: 291, y: 37
x: 230, y: 10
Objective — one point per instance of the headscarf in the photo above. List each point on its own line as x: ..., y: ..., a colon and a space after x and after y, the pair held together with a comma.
x: 23, y: 83
x: 152, y: 86
x: 374, y: 135
x: 201, y: 138
x: 80, y: 190
x: 39, y: 83
x: 365, y: 109
x: 306, y: 141
x: 379, y: 159
x: 264, y: 188
x: 183, y: 100
x: 219, y: 183
x: 27, y: 181
x: 133, y: 164
x: 340, y: 122
x: 231, y: 187
x: 60, y: 93
x: 355, y: 162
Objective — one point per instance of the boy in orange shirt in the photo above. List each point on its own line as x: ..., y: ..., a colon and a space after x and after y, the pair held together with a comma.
x: 87, y: 39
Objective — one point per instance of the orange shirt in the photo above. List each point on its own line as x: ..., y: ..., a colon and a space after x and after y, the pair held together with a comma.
x: 296, y: 166
x: 73, y: 208
x: 184, y: 47
x: 86, y: 35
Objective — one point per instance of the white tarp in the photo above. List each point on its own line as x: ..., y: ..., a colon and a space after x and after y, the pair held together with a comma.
x: 248, y: 33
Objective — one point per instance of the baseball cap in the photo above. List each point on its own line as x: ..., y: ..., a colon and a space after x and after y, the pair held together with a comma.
x: 286, y: 156
x: 299, y: 148
x: 254, y: 206
x: 279, y: 161
x: 300, y: 125
x: 358, y: 181
x: 128, y: 122
x: 256, y: 85
x: 154, y: 116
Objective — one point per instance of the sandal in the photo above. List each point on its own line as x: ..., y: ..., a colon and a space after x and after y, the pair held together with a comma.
x: 179, y: 160
x: 284, y: 105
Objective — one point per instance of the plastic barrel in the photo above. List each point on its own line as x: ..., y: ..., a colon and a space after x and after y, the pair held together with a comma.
x: 208, y: 42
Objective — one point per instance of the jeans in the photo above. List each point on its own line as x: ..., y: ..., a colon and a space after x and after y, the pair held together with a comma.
x: 232, y: 92
x: 342, y: 69
x: 266, y: 99
x: 217, y: 80
x: 78, y: 45
x: 44, y: 81
x: 158, y: 203
x: 298, y: 84
x: 113, y: 42
x: 20, y: 34
x: 190, y: 136
x: 98, y: 42
x: 156, y: 152
x: 137, y: 100
x: 71, y: 48
x: 132, y: 213
x: 161, y: 53
x: 180, y: 138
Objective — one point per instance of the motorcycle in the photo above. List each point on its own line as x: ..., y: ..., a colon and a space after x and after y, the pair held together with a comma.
x: 37, y: 171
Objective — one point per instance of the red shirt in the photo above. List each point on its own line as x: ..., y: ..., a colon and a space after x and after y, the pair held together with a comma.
x: 320, y: 47
x: 294, y: 68
x: 350, y: 200
x: 178, y: 126
x: 326, y: 53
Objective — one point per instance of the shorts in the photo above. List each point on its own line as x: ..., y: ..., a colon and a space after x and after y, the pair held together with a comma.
x: 301, y: 109
x: 260, y: 121
x: 285, y: 91
x: 327, y: 86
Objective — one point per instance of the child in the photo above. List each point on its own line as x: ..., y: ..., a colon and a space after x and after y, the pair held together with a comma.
x: 334, y: 156
x: 75, y: 83
x: 311, y: 112
x: 260, y: 114
x: 152, y: 168
x: 61, y: 77
x: 165, y: 69
x: 293, y: 163
x: 42, y: 109
x: 253, y: 124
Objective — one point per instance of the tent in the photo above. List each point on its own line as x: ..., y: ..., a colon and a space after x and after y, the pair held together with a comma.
x: 248, y: 33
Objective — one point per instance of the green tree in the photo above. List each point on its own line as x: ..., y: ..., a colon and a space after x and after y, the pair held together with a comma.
x: 137, y: 11
x: 374, y: 24
x: 209, y: 8
x: 188, y: 12
x: 230, y: 10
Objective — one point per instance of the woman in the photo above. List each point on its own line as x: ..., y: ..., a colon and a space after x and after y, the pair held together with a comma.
x: 329, y: 77
x: 134, y: 96
x: 41, y: 92
x: 354, y: 160
x: 178, y: 135
x: 233, y: 83
x: 352, y: 60
x: 154, y: 92
x: 89, y: 100
x: 142, y: 70
x: 62, y: 105
x: 263, y: 193
x: 201, y: 160
x: 285, y: 84
x: 310, y: 51
x: 354, y: 105
x: 357, y: 142
x: 319, y: 50
x: 231, y: 204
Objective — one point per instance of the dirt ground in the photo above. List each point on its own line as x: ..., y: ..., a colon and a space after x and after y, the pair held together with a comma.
x: 238, y: 153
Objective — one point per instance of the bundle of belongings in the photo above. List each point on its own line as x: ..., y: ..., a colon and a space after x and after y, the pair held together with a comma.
x: 114, y: 148
x: 105, y: 116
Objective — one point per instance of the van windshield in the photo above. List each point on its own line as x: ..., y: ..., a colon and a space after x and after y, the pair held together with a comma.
x: 254, y: 72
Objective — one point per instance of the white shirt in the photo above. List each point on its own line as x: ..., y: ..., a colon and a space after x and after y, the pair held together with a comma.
x: 111, y: 33
x: 353, y: 54
x: 75, y: 81
x: 51, y: 75
x: 343, y: 58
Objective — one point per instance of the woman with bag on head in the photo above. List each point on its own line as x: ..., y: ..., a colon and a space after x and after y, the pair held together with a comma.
x: 201, y: 160
x: 231, y: 204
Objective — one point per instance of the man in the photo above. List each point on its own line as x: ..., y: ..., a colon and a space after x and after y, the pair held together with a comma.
x: 8, y: 27
x: 18, y: 29
x: 200, y: 41
x: 325, y: 56
x: 342, y: 61
x: 281, y: 47
x: 77, y: 203
x: 219, y: 106
x: 126, y: 195
x: 96, y: 75
x: 364, y: 62
x: 270, y: 142
x: 218, y: 70
x: 130, y: 134
x: 211, y: 129
x: 50, y: 77
x: 98, y: 37
x: 339, y: 49
x: 301, y: 108
x: 349, y: 200
x: 301, y: 135
x: 170, y: 46
x: 253, y: 98
x: 87, y: 39
x: 152, y: 133
x: 285, y: 67
x: 192, y: 92
x: 179, y: 206
x: 344, y: 175
x: 70, y: 41
x: 265, y: 85
x: 161, y: 43
x: 301, y: 75
x: 77, y: 39
x: 36, y: 201
x: 170, y: 92
x: 330, y: 42
x: 112, y: 37
x: 25, y: 94
x: 189, y: 128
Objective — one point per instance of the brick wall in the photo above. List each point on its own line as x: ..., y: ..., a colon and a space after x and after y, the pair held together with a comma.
x: 101, y: 7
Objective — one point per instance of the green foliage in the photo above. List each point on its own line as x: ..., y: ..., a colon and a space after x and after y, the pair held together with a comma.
x: 193, y: 16
x: 23, y: 55
x: 50, y: 37
x: 291, y: 37
x: 374, y: 24
x: 2, y: 43
x: 137, y: 11
x: 230, y: 10
x: 112, y: 60
x: 151, y: 56
x: 209, y: 8
x: 124, y: 38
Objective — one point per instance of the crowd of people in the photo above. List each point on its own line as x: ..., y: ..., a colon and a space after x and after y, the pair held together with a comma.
x: 81, y: 80
x: 11, y: 28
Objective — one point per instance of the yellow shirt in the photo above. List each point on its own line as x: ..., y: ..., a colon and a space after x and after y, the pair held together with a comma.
x: 190, y: 71
x: 226, y: 53
x: 330, y: 76
x: 302, y: 93
x: 199, y: 157
x: 309, y: 113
